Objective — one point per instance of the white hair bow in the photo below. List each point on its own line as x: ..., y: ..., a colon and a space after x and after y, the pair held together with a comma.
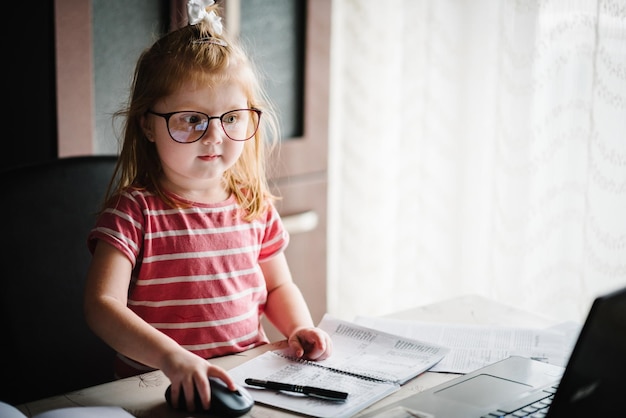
x: 196, y: 12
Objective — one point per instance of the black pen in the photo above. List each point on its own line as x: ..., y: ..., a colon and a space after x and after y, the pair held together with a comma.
x: 327, y: 394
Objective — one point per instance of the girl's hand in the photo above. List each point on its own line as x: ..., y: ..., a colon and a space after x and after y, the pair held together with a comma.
x: 187, y: 371
x: 311, y: 343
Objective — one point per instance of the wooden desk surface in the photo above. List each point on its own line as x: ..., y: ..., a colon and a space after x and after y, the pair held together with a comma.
x: 143, y: 396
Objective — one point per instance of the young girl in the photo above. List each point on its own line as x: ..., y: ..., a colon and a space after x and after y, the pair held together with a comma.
x: 188, y: 251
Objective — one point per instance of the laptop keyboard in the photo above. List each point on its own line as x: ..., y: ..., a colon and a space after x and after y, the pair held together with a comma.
x: 533, y: 406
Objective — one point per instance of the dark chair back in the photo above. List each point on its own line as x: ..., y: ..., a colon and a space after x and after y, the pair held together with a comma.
x: 47, y: 211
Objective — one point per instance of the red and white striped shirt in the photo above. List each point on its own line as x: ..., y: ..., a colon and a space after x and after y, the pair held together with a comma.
x: 196, y: 274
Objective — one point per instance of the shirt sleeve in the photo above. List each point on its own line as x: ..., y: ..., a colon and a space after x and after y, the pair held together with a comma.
x: 276, y: 237
x: 121, y: 225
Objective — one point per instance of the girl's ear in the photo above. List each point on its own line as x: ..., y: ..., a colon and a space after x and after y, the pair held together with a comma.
x: 147, y: 128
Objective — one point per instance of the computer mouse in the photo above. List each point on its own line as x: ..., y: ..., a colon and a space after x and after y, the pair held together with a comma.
x: 224, y: 402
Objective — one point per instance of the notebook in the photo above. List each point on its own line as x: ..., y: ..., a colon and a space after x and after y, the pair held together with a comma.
x: 592, y: 384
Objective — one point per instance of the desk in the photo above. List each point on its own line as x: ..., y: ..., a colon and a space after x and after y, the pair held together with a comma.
x: 143, y: 396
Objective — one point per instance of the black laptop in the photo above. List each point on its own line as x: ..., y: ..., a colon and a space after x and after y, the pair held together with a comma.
x: 591, y: 385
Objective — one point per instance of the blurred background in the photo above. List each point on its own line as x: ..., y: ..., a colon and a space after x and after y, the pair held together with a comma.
x: 477, y: 147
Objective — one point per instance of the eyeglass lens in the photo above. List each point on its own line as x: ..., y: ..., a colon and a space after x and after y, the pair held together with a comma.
x: 239, y: 125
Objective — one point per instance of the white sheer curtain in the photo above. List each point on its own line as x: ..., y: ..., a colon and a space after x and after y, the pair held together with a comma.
x: 477, y: 146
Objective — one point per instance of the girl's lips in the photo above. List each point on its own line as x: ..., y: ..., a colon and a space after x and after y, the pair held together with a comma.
x: 209, y: 157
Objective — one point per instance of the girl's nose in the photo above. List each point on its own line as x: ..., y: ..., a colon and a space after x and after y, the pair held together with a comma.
x: 214, y: 133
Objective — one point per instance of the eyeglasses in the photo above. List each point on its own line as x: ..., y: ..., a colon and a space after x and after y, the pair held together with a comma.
x: 189, y: 126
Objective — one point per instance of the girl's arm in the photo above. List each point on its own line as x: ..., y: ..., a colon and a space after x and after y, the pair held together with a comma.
x: 288, y: 311
x: 110, y: 318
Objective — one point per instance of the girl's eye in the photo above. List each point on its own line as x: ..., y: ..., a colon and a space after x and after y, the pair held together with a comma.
x: 193, y: 118
x: 229, y: 118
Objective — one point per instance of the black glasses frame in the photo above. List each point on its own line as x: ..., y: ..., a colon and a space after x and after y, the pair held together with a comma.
x: 168, y: 115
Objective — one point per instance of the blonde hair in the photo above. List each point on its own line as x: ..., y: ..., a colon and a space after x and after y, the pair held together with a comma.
x: 195, y: 54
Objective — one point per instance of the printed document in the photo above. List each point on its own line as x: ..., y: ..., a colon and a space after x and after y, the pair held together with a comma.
x: 476, y: 346
x: 367, y: 364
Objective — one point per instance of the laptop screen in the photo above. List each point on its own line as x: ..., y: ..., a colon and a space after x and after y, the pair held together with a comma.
x: 593, y: 382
